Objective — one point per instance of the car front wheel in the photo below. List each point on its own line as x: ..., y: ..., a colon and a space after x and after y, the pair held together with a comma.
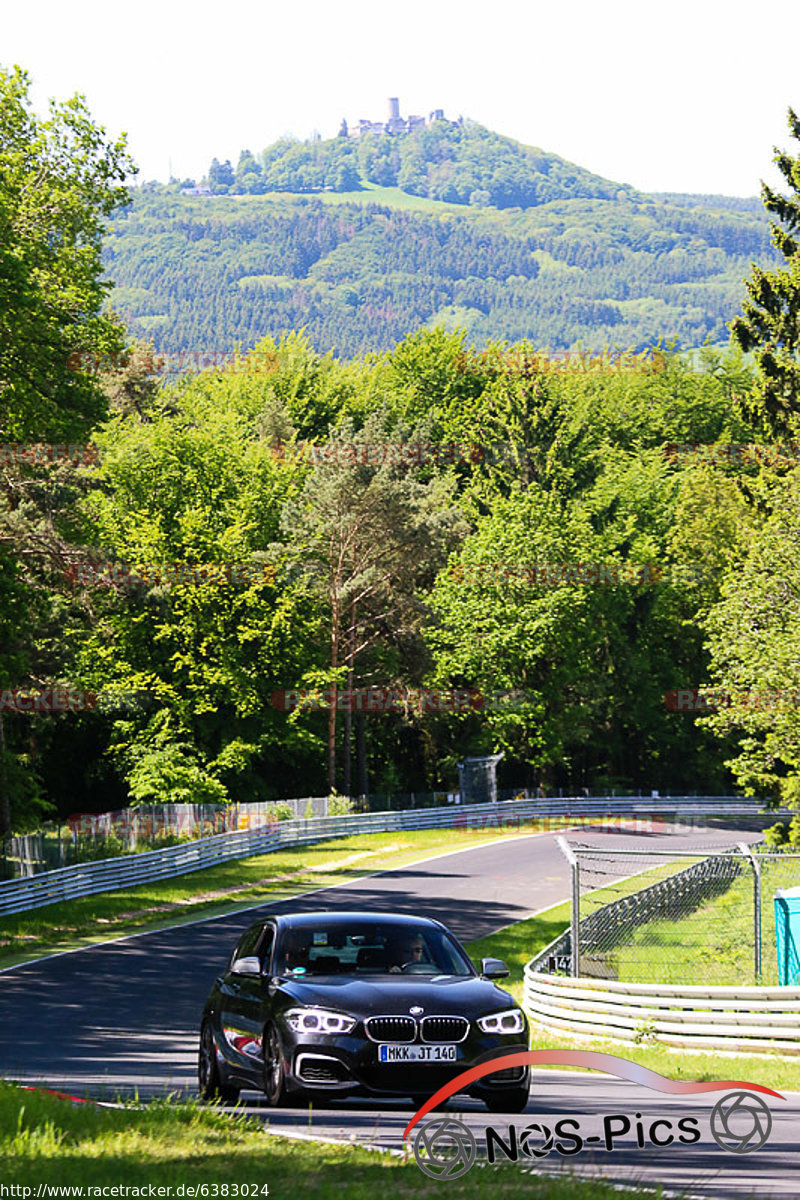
x: 510, y: 1100
x: 274, y: 1075
x: 209, y: 1078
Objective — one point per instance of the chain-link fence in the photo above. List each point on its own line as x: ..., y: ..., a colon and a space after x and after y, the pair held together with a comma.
x: 692, y: 917
x: 88, y: 837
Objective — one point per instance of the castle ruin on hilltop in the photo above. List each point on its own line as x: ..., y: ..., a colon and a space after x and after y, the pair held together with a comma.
x: 395, y: 123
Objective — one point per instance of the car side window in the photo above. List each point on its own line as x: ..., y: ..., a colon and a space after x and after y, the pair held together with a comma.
x: 247, y: 945
x: 264, y: 949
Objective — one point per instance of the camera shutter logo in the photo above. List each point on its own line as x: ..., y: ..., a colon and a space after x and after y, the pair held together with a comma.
x: 444, y: 1148
x: 536, y: 1141
x: 740, y: 1122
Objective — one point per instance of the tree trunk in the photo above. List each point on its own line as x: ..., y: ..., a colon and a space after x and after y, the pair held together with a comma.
x: 334, y: 691
x: 348, y: 733
x: 348, y: 712
x: 361, y: 754
x: 5, y: 804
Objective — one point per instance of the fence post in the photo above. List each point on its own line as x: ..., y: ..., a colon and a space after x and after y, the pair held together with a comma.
x: 575, y: 922
x: 756, y: 865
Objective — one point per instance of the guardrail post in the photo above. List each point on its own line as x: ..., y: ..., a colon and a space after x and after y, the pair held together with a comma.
x: 756, y: 866
x: 575, y: 922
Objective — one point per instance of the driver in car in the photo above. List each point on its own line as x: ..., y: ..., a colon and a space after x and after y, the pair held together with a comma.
x: 295, y: 954
x: 408, y: 951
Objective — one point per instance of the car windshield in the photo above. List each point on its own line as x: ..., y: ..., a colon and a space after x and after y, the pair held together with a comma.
x: 368, y: 949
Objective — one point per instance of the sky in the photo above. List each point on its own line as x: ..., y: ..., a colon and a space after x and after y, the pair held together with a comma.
x: 680, y: 96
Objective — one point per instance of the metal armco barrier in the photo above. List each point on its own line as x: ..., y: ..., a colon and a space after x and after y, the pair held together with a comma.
x: 754, y: 1019
x: 86, y: 879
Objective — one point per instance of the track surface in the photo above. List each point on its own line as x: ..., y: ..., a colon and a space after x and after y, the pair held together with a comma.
x: 124, y: 1015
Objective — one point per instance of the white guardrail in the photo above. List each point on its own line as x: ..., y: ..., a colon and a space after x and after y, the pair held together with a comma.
x: 754, y: 1019
x: 86, y: 879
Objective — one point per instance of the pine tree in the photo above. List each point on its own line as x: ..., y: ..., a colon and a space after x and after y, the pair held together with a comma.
x: 770, y: 324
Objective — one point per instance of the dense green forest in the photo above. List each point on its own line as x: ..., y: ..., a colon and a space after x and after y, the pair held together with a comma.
x: 448, y: 512
x: 518, y: 244
x: 202, y: 273
x: 190, y: 474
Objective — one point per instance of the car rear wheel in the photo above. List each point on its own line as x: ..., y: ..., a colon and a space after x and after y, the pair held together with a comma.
x: 274, y: 1075
x: 510, y: 1100
x: 209, y: 1078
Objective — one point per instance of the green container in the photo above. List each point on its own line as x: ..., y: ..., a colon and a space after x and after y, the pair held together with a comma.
x: 787, y: 935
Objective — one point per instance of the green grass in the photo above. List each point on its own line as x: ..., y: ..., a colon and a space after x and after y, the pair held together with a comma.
x: 370, y: 193
x: 44, y: 1140
x: 712, y: 943
x: 517, y: 944
x: 715, y: 942
x: 224, y: 888
x: 520, y: 942
x: 778, y: 1071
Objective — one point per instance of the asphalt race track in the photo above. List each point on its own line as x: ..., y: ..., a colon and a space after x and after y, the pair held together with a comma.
x: 124, y: 1016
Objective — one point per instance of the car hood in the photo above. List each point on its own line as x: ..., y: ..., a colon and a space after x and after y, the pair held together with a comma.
x: 441, y: 994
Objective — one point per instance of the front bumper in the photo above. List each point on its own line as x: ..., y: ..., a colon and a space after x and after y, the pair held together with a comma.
x: 346, y: 1064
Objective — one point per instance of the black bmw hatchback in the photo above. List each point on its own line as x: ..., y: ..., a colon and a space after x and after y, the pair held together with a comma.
x: 347, y: 1003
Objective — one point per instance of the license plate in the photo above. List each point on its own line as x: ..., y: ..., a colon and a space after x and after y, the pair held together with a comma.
x: 416, y: 1054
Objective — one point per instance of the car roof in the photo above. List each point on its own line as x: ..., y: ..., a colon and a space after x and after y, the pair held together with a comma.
x: 306, y: 919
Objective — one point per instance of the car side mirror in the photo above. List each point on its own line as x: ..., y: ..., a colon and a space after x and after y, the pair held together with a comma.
x: 493, y: 968
x: 246, y: 966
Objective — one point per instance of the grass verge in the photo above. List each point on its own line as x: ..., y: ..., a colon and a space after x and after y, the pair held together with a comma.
x: 715, y: 942
x: 368, y: 193
x: 517, y: 944
x: 225, y: 888
x: 44, y: 1140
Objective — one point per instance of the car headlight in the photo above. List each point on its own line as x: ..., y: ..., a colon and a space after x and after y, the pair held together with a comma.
x: 318, y: 1020
x: 510, y: 1020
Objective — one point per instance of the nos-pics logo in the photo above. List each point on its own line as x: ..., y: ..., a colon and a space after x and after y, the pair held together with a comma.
x: 446, y: 1148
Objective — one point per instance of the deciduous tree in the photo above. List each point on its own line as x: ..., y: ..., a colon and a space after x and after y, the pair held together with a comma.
x: 60, y: 179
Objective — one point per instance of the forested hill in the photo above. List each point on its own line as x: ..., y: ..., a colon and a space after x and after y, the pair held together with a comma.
x: 576, y: 260
x: 458, y: 162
